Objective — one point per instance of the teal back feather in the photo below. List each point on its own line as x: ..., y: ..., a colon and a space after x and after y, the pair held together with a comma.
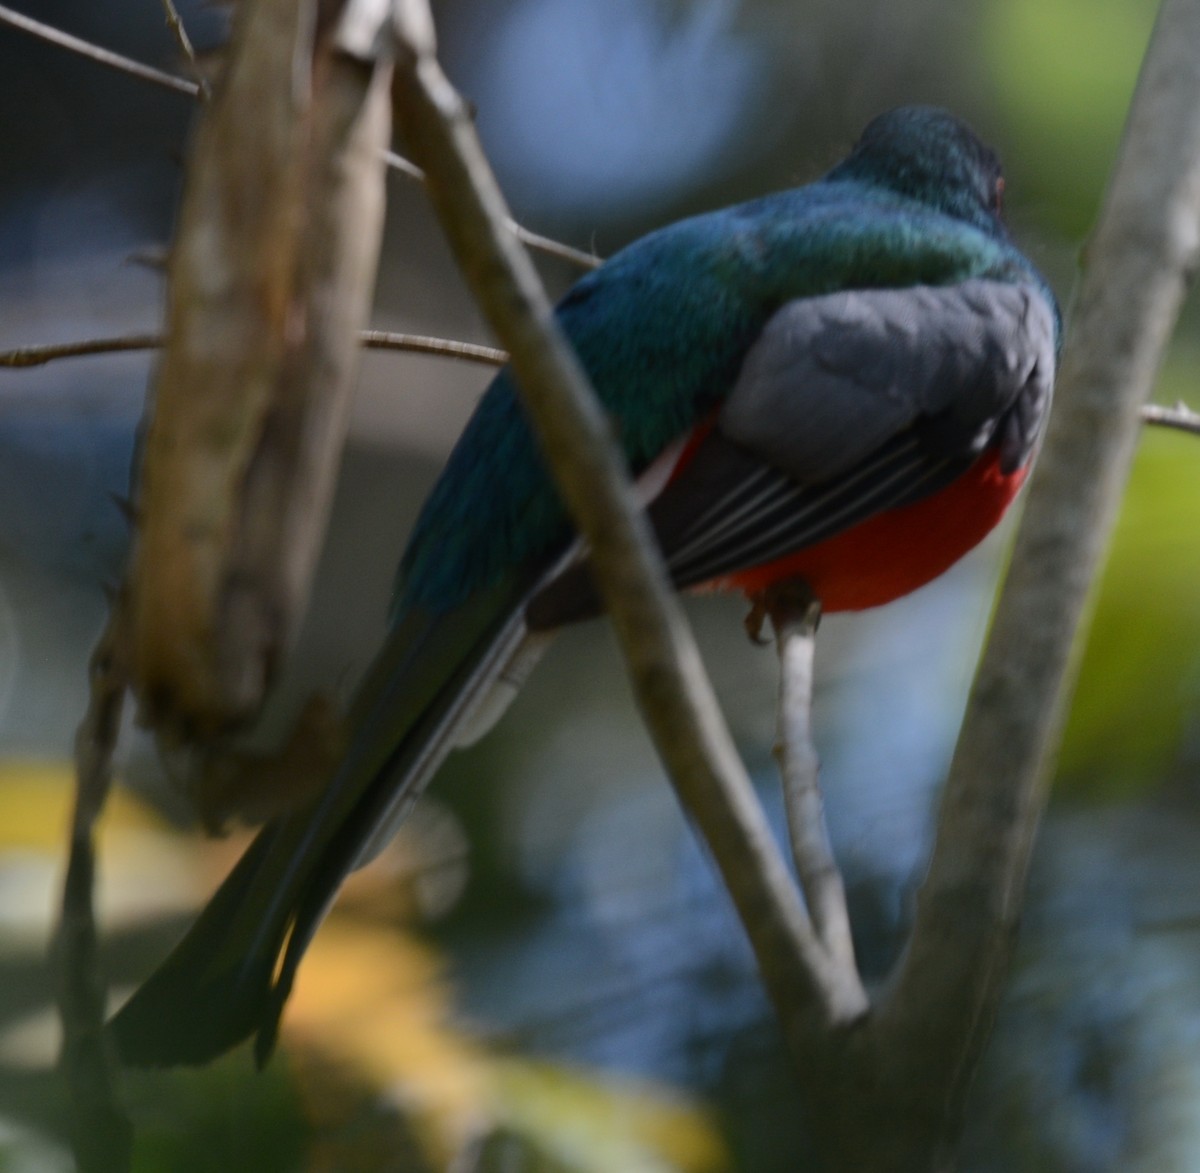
x: 662, y: 329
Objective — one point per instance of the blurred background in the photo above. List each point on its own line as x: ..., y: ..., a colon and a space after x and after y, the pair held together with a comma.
x: 541, y: 973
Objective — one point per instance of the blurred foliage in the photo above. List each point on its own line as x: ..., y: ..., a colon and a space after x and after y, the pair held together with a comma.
x: 1133, y: 721
x: 225, y: 1116
x: 1095, y: 1061
x: 373, y: 1071
x: 1064, y: 73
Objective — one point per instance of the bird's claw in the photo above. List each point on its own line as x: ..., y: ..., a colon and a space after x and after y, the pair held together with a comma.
x: 755, y: 618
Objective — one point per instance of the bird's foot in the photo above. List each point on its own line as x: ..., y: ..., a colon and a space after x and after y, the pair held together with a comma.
x: 756, y: 617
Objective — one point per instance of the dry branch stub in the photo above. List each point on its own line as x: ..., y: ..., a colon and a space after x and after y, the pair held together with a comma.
x: 271, y: 278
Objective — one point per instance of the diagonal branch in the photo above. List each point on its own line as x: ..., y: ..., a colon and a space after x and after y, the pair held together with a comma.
x: 46, y: 32
x: 533, y: 240
x: 674, y: 694
x: 200, y: 89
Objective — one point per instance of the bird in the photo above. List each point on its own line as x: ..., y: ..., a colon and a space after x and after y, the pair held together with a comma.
x: 841, y: 385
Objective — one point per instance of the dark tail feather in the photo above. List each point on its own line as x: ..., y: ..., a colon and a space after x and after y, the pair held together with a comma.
x: 308, y: 919
x: 413, y: 758
x: 206, y: 998
x: 224, y: 981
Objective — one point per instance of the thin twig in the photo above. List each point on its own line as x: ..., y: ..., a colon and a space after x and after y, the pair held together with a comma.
x: 200, y: 89
x: 34, y: 356
x: 102, y: 1133
x: 95, y: 53
x: 405, y: 166
x: 152, y: 257
x: 533, y: 240
x: 673, y: 691
x: 442, y: 347
x: 185, y: 46
x: 794, y: 614
x: 1180, y: 417
x: 554, y: 248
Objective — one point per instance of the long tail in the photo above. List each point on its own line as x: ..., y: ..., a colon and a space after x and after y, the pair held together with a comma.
x: 224, y: 981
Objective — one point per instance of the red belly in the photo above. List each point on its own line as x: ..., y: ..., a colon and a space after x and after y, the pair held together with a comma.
x: 894, y: 552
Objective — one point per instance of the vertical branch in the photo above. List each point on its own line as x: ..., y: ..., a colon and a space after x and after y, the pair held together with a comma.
x: 284, y: 206
x: 794, y: 614
x: 102, y: 1135
x: 1146, y: 244
x: 271, y: 277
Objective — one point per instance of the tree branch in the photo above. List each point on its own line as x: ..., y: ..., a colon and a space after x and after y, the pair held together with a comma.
x: 673, y: 692
x: 1179, y: 417
x: 490, y: 356
x: 533, y: 240
x: 185, y: 47
x: 200, y: 89
x: 34, y: 356
x: 1144, y: 247
x: 102, y: 1135
x: 283, y: 197
x: 54, y: 36
x: 794, y: 614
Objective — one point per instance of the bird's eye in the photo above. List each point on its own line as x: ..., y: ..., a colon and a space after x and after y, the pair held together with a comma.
x: 998, y: 195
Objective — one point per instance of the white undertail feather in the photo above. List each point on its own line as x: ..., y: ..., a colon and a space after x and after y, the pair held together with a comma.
x: 499, y: 677
x: 490, y: 706
x: 446, y: 736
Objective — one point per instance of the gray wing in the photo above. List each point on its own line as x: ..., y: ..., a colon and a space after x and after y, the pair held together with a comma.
x: 831, y: 379
x: 847, y: 405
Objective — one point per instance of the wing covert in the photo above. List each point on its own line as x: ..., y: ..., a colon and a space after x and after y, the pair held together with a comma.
x: 846, y: 405
x: 832, y: 378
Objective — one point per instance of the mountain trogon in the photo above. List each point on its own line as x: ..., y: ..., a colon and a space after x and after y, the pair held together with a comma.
x: 844, y: 383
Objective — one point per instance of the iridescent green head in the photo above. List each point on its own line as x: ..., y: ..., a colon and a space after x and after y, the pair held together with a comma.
x: 929, y: 155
